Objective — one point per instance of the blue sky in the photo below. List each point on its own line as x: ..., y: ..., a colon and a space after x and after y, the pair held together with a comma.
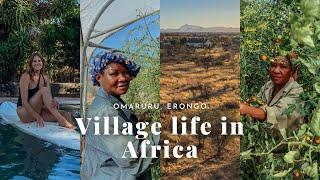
x: 205, y: 13
x: 120, y: 38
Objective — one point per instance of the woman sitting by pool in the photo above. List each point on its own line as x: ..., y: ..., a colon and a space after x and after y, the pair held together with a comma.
x: 35, y: 101
x: 278, y: 94
x: 103, y: 154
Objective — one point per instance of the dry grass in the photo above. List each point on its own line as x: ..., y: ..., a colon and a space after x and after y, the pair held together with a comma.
x: 201, y: 76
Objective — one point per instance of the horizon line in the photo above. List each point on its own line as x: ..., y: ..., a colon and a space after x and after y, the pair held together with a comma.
x: 199, y: 26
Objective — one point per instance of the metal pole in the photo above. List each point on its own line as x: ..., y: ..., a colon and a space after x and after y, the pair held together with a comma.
x: 122, y: 25
x: 84, y: 56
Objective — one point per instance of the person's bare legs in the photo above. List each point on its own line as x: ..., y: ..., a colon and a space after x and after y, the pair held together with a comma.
x: 66, y: 115
x: 47, y: 101
x: 38, y: 101
x: 47, y: 116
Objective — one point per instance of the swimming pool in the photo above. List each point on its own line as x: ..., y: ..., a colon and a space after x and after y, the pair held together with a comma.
x: 25, y: 157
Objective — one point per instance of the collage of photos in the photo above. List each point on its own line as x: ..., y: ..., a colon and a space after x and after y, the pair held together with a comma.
x: 159, y: 89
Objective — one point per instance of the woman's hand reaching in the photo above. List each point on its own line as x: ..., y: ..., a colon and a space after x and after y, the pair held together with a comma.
x: 244, y: 108
x: 40, y: 121
x: 254, y: 112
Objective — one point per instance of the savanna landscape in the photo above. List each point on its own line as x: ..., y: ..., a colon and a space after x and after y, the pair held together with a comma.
x: 201, y: 68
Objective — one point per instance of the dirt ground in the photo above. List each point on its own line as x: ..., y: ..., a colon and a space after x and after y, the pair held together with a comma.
x: 206, y: 76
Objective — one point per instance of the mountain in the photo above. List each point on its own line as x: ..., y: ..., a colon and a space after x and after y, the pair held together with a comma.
x: 193, y: 28
x: 190, y: 28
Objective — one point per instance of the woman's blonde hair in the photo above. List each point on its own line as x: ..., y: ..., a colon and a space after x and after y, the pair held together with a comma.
x: 30, y: 69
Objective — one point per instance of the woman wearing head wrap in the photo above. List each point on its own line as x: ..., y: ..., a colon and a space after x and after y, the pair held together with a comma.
x: 278, y: 94
x: 113, y: 72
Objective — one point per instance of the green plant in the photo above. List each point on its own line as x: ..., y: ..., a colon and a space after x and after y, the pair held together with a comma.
x: 272, y: 28
x: 145, y: 88
x: 50, y: 27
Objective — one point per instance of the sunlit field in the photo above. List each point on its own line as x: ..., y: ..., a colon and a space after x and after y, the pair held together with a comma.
x: 206, y: 73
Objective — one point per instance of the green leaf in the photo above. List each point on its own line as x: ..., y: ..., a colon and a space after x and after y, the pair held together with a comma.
x: 301, y: 33
x: 287, y: 2
x: 310, y: 8
x: 317, y: 25
x: 283, y: 133
x: 313, y: 66
x: 302, y: 130
x: 293, y: 43
x: 255, y: 127
x: 245, y: 155
x: 311, y: 171
x: 290, y: 109
x: 282, y: 173
x: 270, y: 157
x: 291, y: 156
x: 317, y: 87
x: 307, y: 40
x: 304, y: 165
x: 315, y: 122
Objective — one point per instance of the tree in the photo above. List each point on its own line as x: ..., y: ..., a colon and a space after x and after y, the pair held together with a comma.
x: 270, y: 28
x: 51, y: 27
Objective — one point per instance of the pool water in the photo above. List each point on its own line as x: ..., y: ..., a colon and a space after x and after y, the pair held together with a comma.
x: 25, y: 157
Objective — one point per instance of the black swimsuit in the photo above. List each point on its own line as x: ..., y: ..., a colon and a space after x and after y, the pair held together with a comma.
x: 31, y: 92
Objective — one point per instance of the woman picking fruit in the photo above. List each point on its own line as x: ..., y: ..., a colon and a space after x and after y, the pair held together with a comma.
x: 278, y: 94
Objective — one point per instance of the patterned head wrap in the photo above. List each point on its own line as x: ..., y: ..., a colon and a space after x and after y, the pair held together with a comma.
x: 98, y: 63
